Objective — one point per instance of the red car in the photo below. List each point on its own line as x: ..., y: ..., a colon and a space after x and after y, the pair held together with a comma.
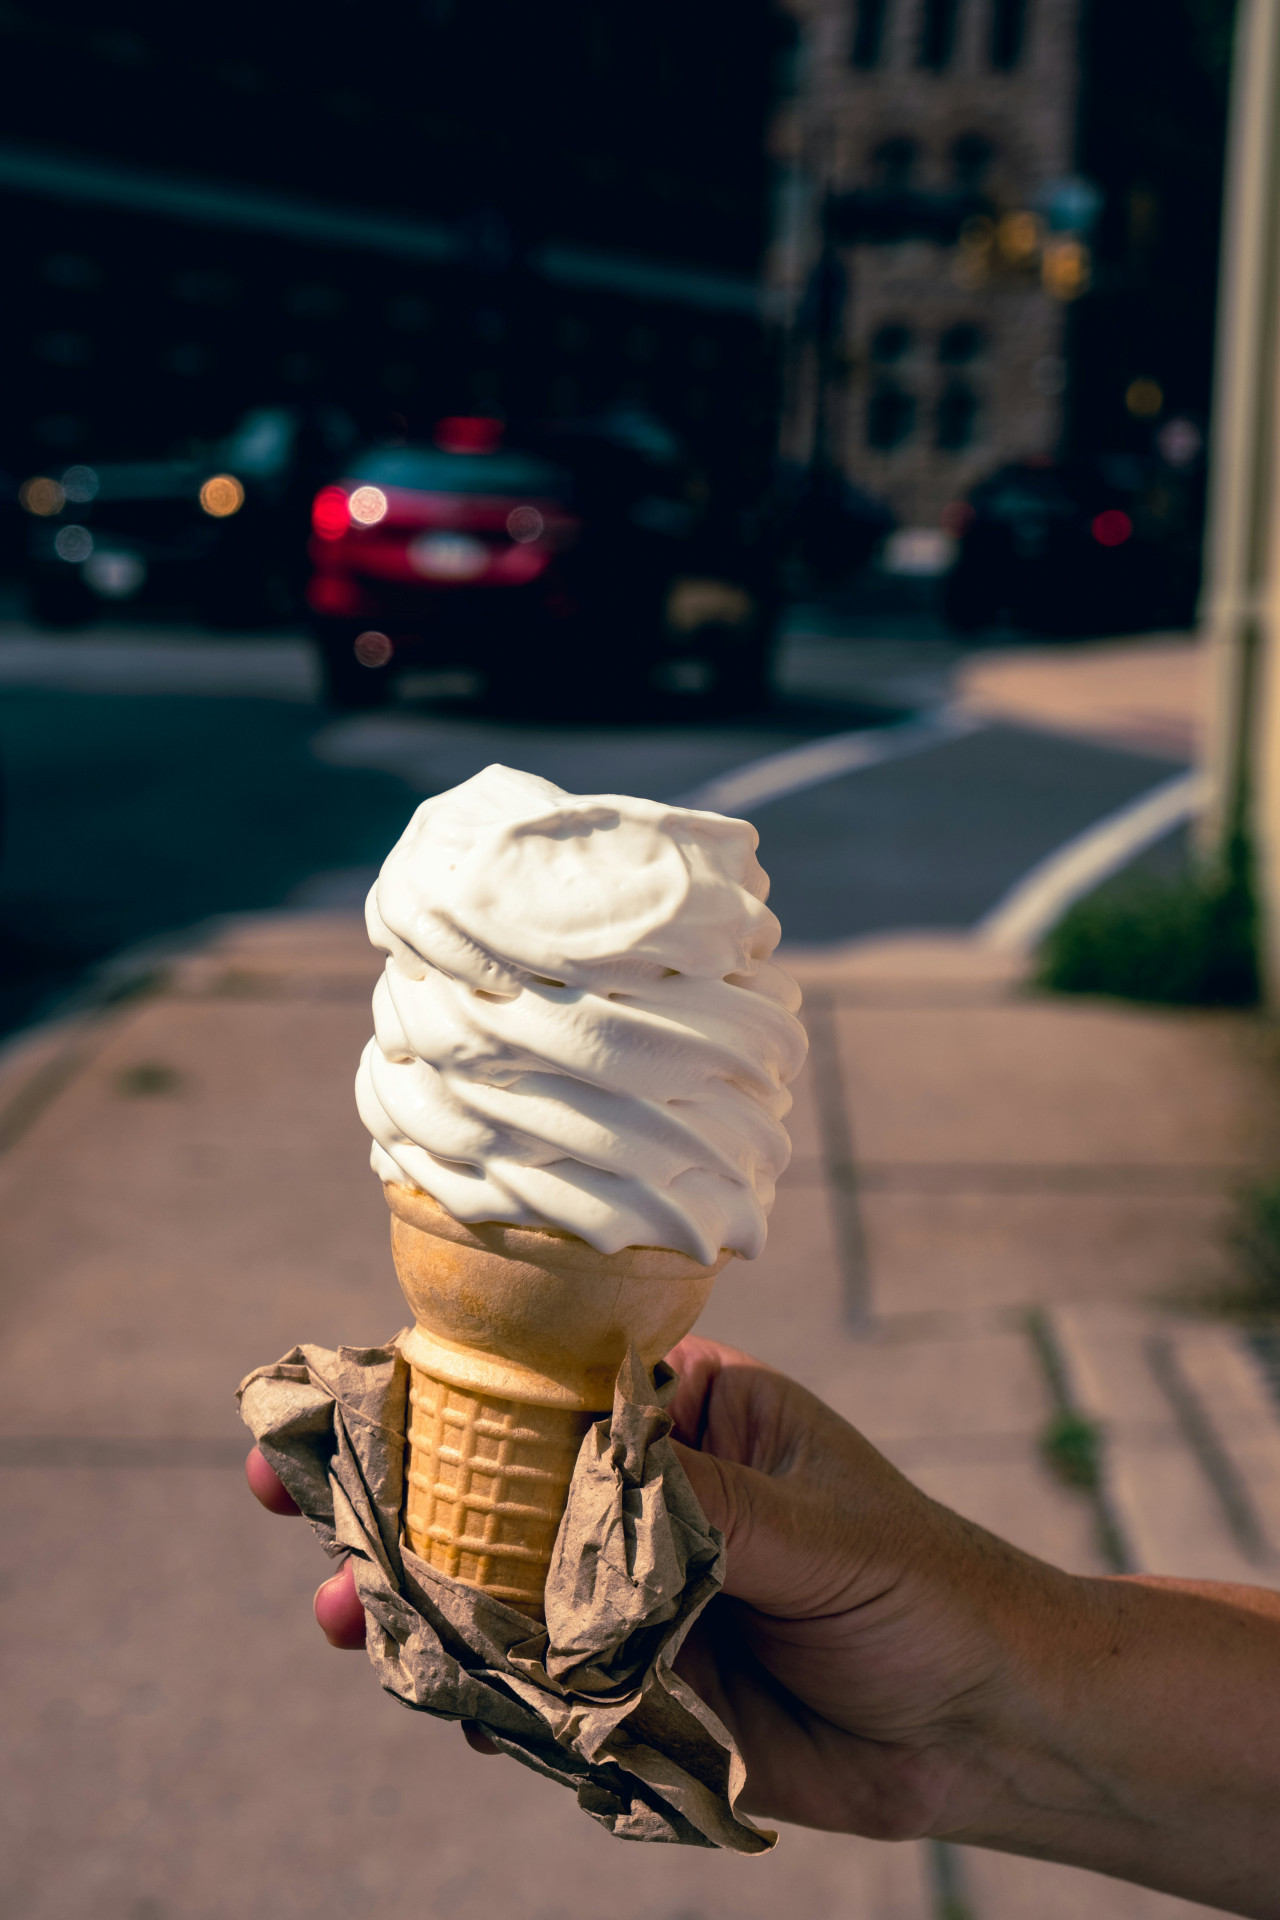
x: 576, y: 556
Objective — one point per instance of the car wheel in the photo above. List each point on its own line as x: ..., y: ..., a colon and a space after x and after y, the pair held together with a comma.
x: 348, y: 683
x: 969, y: 603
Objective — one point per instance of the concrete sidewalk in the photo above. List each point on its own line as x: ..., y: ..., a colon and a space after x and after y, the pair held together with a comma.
x: 997, y: 1203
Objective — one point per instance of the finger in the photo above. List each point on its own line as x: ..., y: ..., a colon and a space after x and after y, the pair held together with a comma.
x: 338, y: 1611
x: 267, y: 1486
x: 479, y: 1742
x: 799, y: 1533
x: 769, y: 1561
x: 700, y: 1363
x: 727, y: 1504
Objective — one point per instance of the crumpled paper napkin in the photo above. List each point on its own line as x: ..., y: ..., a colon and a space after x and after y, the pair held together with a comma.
x: 590, y: 1699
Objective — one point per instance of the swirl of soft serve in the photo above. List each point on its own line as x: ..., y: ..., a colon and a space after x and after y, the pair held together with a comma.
x: 579, y: 1025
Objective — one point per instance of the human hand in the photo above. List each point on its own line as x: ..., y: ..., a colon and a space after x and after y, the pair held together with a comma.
x: 861, y: 1651
x: 338, y: 1611
x: 889, y: 1668
x: 852, y: 1646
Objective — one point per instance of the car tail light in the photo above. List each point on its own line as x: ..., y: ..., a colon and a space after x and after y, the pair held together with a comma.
x: 1112, y: 528
x: 957, y: 518
x: 331, y: 593
x: 465, y: 433
x: 330, y: 513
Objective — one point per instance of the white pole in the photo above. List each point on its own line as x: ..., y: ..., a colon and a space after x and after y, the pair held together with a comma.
x: 1241, y: 600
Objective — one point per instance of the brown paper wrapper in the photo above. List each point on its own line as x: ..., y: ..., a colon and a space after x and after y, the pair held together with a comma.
x: 590, y: 1699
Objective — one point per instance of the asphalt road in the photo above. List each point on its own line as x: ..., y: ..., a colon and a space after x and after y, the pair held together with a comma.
x: 154, y: 779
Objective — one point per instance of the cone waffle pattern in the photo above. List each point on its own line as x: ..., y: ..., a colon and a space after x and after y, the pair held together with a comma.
x: 488, y: 1480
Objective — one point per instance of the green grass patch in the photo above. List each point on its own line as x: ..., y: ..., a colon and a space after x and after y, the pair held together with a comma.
x: 1072, y: 1449
x: 1188, y: 942
x: 1256, y: 1235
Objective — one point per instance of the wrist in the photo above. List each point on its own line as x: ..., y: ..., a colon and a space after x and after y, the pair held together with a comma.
x: 1026, y: 1751
x: 1130, y: 1730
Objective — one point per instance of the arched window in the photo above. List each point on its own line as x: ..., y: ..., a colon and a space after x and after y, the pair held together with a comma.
x: 1008, y: 32
x: 891, y: 416
x: 938, y: 34
x: 868, y: 34
x: 889, y: 343
x: 960, y: 344
x: 957, y: 418
x: 894, y: 162
x: 971, y: 157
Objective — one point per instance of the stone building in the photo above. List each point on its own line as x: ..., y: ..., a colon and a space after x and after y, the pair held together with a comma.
x: 928, y: 239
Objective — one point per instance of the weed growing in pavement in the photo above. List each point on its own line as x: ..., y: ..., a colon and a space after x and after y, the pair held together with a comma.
x: 147, y: 1079
x: 1254, y: 1297
x: 1189, y: 942
x: 1072, y: 1449
x: 1255, y: 1236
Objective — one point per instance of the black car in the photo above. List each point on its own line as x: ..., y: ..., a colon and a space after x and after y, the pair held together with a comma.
x: 215, y: 533
x: 829, y: 527
x: 580, y: 560
x: 1107, y: 545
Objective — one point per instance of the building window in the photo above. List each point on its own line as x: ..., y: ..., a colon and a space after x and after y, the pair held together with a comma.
x: 315, y: 301
x: 957, y: 418
x: 205, y: 287
x: 894, y: 162
x: 868, y: 33
x: 64, y: 348
x: 71, y: 272
x: 891, y: 417
x: 1008, y: 32
x: 889, y: 343
x: 640, y: 344
x: 971, y: 158
x: 960, y: 344
x: 410, y: 313
x: 938, y: 34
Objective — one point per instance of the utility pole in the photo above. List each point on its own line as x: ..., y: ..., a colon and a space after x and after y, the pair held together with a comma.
x: 1240, y: 606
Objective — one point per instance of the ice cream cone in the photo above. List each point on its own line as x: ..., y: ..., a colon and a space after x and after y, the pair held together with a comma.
x: 518, y: 1336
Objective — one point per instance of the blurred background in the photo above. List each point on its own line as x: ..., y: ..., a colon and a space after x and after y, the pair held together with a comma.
x: 807, y: 411
x: 721, y: 369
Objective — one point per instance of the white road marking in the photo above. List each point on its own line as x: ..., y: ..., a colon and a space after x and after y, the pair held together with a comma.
x: 1018, y: 922
x: 797, y: 768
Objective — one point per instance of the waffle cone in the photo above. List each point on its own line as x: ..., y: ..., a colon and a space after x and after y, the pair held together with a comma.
x: 517, y: 1339
x: 486, y: 1484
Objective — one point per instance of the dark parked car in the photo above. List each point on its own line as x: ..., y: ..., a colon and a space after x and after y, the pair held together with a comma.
x: 580, y: 561
x: 830, y: 527
x: 216, y: 534
x: 1102, y: 546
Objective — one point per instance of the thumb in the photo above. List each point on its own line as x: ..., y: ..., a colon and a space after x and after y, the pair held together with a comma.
x: 773, y: 1558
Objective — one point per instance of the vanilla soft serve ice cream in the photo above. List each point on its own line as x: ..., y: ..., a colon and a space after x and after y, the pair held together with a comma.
x: 580, y: 1025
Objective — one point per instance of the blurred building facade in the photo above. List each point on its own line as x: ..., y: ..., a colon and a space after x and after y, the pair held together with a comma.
x: 1152, y: 128
x: 434, y: 209
x: 928, y: 240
